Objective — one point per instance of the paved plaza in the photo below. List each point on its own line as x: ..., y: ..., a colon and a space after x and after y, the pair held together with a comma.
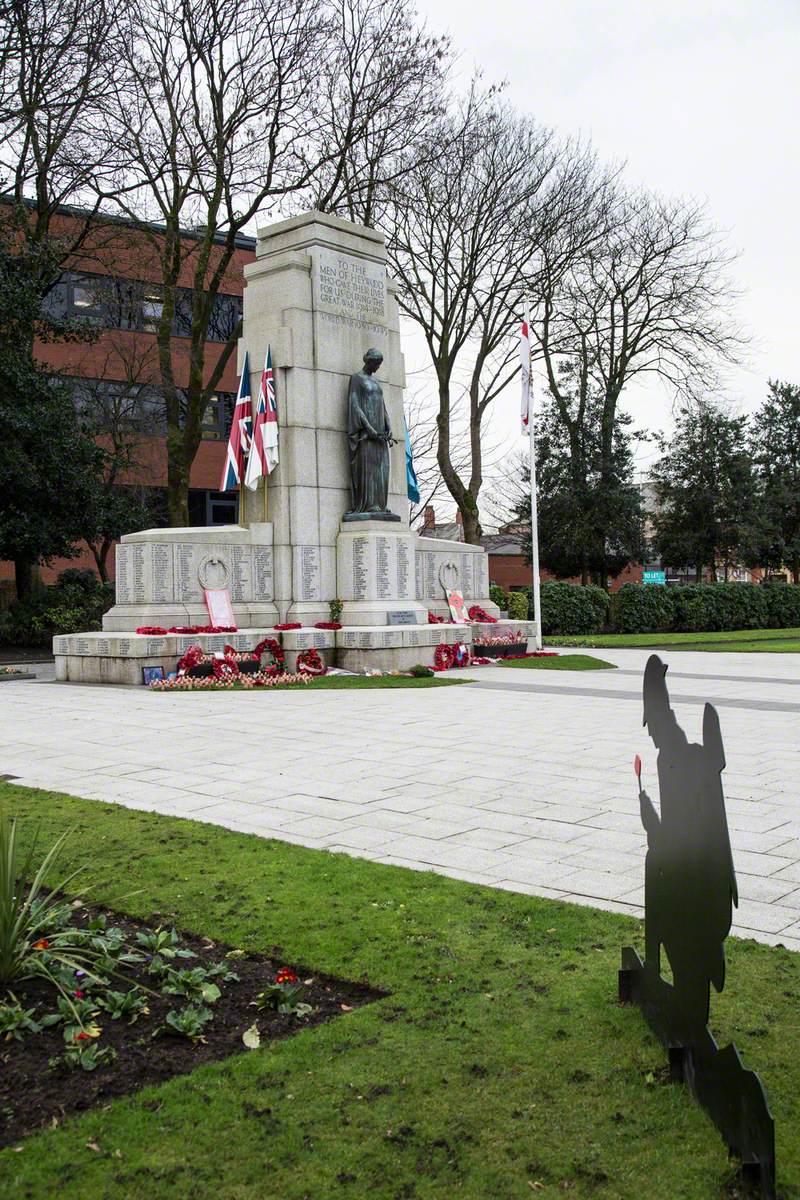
x: 522, y: 780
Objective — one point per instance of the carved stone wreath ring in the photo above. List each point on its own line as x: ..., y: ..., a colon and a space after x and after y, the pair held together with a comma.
x: 213, y: 572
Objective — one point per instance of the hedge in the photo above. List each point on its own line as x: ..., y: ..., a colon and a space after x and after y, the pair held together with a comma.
x: 572, y: 608
x: 705, y: 607
x: 637, y: 609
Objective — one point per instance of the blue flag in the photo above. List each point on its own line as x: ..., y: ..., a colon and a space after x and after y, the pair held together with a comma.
x: 412, y: 486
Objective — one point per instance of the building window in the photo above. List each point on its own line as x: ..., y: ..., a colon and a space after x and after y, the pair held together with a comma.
x: 119, y: 407
x: 218, y: 416
x: 118, y: 303
x: 213, y: 508
x: 152, y: 308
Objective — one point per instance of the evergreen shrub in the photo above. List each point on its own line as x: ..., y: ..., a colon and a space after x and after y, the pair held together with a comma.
x: 74, y: 604
x: 783, y: 605
x: 638, y: 609
x: 571, y: 608
x: 517, y: 606
x: 711, y: 607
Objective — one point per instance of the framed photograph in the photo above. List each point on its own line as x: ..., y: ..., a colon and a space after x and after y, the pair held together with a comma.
x: 151, y: 674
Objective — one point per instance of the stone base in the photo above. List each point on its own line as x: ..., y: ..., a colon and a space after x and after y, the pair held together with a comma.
x: 161, y: 574
x: 119, y: 658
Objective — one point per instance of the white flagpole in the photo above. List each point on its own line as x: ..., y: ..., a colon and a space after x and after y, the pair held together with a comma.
x: 529, y: 423
x: 537, y: 596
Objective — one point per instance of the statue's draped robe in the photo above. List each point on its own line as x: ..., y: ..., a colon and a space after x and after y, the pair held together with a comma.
x: 367, y: 426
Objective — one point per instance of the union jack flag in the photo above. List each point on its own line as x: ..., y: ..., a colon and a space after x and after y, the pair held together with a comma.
x: 264, y: 451
x: 241, y: 433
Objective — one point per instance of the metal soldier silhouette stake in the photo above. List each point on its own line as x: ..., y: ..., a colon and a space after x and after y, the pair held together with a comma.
x: 690, y: 886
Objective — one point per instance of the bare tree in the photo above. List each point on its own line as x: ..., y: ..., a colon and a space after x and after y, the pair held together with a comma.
x: 645, y: 293
x: 55, y: 77
x: 420, y: 415
x: 118, y: 402
x: 383, y: 100
x: 462, y: 229
x: 226, y: 112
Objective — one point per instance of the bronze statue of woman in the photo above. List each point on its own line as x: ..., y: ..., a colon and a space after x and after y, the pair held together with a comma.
x: 370, y: 436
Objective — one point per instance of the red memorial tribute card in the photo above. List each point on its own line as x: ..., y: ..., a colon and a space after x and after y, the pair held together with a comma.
x: 220, y: 609
x: 455, y: 602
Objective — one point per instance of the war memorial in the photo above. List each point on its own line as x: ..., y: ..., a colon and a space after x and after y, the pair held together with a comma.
x: 331, y: 522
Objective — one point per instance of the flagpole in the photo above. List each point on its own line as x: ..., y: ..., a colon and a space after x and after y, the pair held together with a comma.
x: 537, y: 597
x: 527, y: 426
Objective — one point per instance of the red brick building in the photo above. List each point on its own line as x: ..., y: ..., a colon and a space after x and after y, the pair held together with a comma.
x: 114, y: 284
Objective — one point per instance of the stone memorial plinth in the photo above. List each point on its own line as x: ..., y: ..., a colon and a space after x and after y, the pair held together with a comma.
x: 375, y: 574
x: 443, y: 566
x: 318, y: 293
x: 161, y: 574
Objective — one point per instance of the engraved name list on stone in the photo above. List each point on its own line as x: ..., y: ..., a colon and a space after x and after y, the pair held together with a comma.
x: 242, y: 573
x: 187, y: 561
x: 163, y: 573
x: 138, y: 575
x: 433, y: 590
x: 382, y: 547
x: 307, y: 566
x: 348, y: 287
x: 262, y: 573
x: 360, y: 568
x: 124, y: 588
x: 403, y: 568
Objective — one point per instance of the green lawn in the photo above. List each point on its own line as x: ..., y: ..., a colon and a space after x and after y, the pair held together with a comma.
x: 564, y: 662
x: 785, y: 641
x: 500, y: 1065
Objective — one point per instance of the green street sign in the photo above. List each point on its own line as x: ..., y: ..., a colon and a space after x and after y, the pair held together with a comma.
x: 654, y: 577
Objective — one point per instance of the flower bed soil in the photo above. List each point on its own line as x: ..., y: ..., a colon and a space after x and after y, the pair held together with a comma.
x: 33, y: 1093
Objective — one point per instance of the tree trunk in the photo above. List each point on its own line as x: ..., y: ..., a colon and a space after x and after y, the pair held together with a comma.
x: 177, y: 488
x: 100, y: 557
x: 471, y: 520
x: 23, y: 577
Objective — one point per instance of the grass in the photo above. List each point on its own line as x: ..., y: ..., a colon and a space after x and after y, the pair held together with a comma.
x: 500, y: 1064
x: 564, y: 662
x: 785, y: 641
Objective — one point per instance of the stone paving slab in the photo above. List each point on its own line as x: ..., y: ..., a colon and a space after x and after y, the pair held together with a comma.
x: 523, y: 783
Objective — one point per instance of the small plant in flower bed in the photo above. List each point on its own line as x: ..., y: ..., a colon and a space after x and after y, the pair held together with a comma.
x: 285, y: 995
x: 120, y: 1002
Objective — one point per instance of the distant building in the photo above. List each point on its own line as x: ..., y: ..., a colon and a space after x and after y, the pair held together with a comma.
x: 113, y: 283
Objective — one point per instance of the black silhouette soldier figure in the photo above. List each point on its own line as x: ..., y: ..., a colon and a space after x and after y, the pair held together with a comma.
x: 690, y: 887
x: 689, y: 876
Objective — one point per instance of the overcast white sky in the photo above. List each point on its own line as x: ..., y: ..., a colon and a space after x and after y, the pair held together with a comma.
x: 700, y: 98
